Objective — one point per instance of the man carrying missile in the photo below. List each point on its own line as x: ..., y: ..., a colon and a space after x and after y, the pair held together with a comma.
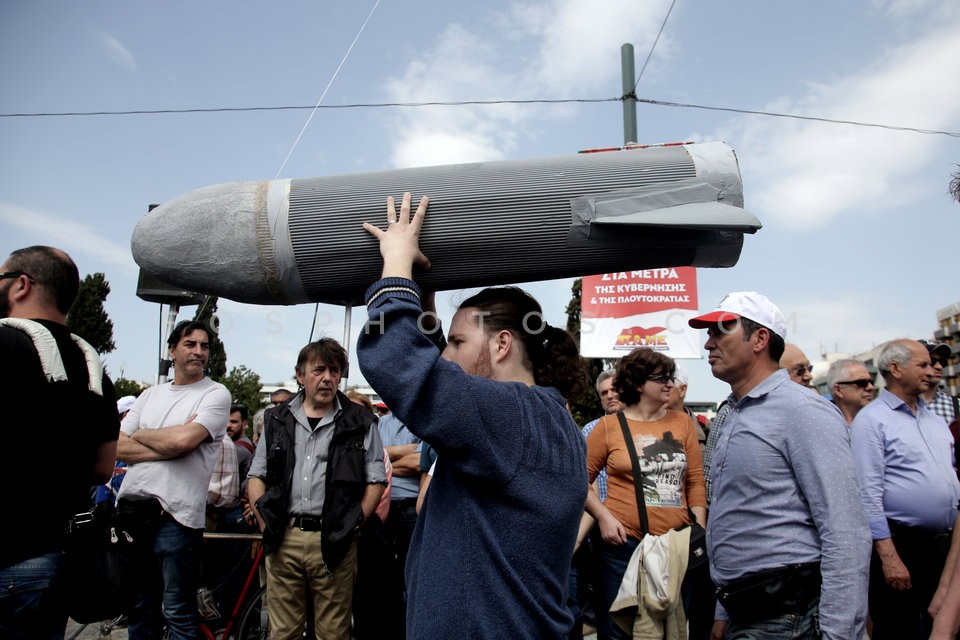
x: 490, y: 554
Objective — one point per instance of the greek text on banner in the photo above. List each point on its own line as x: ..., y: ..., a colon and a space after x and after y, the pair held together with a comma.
x: 628, y: 293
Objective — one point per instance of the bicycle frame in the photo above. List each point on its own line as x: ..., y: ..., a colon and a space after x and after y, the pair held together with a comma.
x: 238, y: 607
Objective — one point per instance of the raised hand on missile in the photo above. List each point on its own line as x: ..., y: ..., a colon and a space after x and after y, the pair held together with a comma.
x: 400, y: 242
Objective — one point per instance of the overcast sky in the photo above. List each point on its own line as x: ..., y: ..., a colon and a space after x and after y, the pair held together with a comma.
x: 859, y: 237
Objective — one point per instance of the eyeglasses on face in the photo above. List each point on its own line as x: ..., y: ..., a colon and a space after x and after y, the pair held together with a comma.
x: 801, y: 369
x: 15, y: 274
x: 935, y: 360
x: 863, y: 384
x: 662, y: 378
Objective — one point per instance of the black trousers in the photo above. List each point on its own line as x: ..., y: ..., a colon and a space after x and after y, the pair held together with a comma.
x: 379, y: 598
x: 902, y: 615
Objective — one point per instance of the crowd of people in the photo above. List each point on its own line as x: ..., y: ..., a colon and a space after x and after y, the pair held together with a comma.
x: 476, y: 507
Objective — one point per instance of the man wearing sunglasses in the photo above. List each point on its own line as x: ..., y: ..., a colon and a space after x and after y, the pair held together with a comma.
x: 937, y: 400
x: 65, y: 416
x: 797, y: 365
x: 851, y: 386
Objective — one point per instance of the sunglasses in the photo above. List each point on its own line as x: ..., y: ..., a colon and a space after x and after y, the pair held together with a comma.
x: 934, y: 361
x: 662, y: 378
x: 863, y: 384
x: 14, y: 274
x: 802, y: 369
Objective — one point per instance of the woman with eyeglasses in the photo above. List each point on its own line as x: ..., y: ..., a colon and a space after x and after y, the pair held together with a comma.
x: 670, y: 461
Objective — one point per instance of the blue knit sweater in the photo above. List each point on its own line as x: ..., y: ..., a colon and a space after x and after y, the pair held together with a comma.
x: 491, y: 551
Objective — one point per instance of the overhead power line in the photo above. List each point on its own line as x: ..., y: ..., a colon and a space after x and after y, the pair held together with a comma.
x: 774, y: 114
x: 323, y: 95
x: 354, y: 105
x: 461, y: 103
x: 654, y: 45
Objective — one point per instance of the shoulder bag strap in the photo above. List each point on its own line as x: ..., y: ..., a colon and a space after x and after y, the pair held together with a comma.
x: 638, y: 476
x: 637, y: 473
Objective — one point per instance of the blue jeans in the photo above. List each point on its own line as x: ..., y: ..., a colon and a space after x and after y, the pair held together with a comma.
x: 165, y: 569
x: 792, y: 626
x: 31, y: 599
x: 612, y: 564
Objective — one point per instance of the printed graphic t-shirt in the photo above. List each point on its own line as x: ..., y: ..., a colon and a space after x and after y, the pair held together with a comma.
x: 672, y: 465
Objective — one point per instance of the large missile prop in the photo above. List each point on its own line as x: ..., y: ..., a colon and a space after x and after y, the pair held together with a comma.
x: 294, y: 241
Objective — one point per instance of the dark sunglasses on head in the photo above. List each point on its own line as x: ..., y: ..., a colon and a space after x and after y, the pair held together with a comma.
x: 863, y: 384
x: 662, y: 378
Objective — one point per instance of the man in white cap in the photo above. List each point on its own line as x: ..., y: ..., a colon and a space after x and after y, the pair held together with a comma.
x: 787, y: 537
x: 124, y: 405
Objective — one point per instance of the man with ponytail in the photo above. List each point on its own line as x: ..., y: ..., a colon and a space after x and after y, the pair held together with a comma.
x: 491, y: 550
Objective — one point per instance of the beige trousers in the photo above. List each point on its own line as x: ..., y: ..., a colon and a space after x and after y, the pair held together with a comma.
x: 295, y: 572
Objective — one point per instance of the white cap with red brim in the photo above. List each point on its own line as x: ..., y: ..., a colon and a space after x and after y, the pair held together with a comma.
x: 744, y: 304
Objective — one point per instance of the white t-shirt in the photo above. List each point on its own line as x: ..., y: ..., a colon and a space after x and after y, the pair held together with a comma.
x: 180, y: 484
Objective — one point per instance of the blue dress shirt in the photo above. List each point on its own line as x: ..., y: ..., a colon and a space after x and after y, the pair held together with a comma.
x: 904, y: 466
x: 394, y: 433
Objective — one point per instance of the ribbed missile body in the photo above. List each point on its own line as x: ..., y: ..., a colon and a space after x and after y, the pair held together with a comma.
x: 301, y: 240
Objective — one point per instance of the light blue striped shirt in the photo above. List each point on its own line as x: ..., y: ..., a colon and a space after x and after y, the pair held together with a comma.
x: 784, y: 492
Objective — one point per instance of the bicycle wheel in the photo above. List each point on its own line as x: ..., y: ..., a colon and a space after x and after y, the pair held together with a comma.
x: 253, y: 620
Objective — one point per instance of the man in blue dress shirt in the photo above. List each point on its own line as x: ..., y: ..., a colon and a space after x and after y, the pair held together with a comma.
x: 787, y: 537
x: 904, y: 457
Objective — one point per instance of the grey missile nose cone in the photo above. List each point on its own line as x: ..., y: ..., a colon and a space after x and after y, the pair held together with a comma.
x: 207, y: 241
x: 301, y: 240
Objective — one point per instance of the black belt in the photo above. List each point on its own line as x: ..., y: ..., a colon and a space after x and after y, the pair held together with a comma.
x: 919, y: 534
x: 772, y: 592
x: 306, y: 523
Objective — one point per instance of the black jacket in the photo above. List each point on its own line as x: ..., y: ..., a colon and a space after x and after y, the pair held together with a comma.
x: 344, y: 484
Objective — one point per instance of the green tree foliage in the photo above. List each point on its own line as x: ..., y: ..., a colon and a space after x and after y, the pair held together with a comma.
x: 585, y: 407
x: 124, y: 387
x: 217, y: 364
x: 87, y: 317
x: 244, y: 386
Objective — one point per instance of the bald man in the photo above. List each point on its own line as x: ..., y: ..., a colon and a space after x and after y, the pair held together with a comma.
x: 797, y: 365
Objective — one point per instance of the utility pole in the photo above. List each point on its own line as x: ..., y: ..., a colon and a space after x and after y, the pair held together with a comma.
x: 629, y: 97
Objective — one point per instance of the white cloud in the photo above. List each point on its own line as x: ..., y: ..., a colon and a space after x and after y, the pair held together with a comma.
x: 571, y: 55
x: 903, y: 8
x: 532, y: 51
x: 810, y: 319
x: 73, y: 237
x: 118, y: 53
x: 805, y: 174
x: 462, y: 65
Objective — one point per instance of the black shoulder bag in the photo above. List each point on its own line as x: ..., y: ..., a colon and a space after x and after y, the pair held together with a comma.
x: 92, y: 567
x: 698, y: 535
